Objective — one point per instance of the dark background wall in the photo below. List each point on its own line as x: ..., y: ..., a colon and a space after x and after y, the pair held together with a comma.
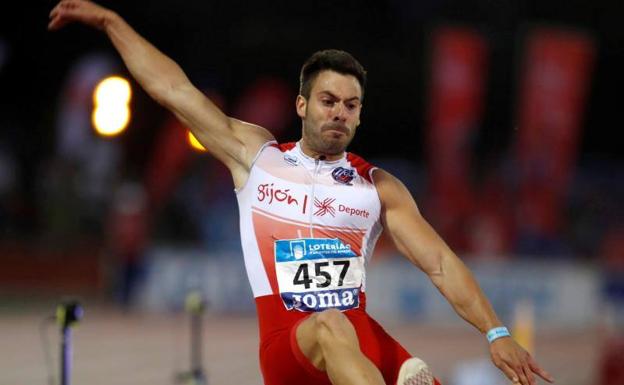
x: 227, y: 45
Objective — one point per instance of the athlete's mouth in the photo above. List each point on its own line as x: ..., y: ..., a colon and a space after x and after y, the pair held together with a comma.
x: 334, y: 126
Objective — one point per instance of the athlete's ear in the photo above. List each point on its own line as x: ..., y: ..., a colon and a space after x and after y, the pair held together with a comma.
x: 359, y: 114
x: 301, y: 104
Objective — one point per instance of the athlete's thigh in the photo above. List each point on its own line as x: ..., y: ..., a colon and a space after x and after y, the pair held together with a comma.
x: 283, y: 363
x: 386, y: 353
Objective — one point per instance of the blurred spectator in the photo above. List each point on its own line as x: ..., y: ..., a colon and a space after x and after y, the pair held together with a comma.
x: 127, y: 238
x: 96, y: 160
x: 612, y: 254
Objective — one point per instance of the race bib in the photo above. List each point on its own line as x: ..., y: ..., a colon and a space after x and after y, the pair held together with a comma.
x: 315, y: 274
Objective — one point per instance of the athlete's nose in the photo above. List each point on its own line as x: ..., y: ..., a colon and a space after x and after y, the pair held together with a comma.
x: 340, y: 113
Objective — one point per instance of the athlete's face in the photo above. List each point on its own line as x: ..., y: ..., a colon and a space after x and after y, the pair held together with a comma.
x: 331, y: 114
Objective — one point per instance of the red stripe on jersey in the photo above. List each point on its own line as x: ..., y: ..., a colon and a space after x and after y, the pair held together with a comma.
x: 283, y: 147
x: 363, y: 167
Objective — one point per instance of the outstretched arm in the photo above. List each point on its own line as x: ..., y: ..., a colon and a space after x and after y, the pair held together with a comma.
x: 419, y: 242
x: 233, y: 142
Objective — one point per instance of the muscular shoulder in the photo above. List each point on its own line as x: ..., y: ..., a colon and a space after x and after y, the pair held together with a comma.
x: 392, y: 192
x: 363, y: 168
x: 386, y: 181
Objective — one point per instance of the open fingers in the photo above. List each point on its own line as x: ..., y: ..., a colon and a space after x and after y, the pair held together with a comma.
x: 55, y: 11
x: 521, y: 374
x: 57, y: 23
x: 535, y: 368
x: 516, y: 363
x: 56, y: 16
x: 63, y: 4
x: 516, y: 369
x: 507, y: 370
x: 528, y: 374
x: 63, y: 7
x: 63, y: 13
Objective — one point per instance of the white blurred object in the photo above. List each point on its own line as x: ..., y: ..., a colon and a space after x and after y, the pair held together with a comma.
x: 480, y: 371
x: 75, y: 138
x: 98, y: 159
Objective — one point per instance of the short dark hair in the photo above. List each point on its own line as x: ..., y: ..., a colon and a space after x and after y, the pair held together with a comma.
x: 330, y: 59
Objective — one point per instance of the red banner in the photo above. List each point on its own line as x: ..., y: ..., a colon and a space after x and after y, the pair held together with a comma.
x: 458, y: 70
x: 557, y: 68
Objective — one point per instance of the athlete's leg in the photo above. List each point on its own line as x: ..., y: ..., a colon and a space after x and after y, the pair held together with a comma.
x: 329, y: 341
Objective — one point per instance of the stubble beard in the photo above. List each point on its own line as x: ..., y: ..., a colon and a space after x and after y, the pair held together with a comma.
x: 316, y: 141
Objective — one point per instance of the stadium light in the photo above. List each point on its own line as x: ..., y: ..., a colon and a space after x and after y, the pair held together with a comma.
x: 195, y: 143
x: 111, y: 110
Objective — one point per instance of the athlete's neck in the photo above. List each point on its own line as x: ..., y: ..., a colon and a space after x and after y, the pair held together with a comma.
x: 318, y: 155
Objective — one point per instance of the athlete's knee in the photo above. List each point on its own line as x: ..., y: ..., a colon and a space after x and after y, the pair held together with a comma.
x: 334, y: 327
x: 331, y: 318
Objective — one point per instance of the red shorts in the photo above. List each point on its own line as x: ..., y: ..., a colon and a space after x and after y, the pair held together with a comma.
x: 283, y: 363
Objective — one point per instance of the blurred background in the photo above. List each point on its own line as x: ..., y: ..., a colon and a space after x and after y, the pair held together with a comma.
x: 501, y: 117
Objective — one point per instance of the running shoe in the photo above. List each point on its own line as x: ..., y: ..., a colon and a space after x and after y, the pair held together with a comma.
x: 414, y: 371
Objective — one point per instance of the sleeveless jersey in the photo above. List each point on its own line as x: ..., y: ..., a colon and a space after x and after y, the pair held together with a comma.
x: 307, y: 227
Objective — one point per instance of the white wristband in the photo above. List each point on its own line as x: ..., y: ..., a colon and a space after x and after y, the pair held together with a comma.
x: 496, y: 333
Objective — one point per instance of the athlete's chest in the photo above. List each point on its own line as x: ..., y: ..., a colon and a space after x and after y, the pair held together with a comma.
x: 329, y: 194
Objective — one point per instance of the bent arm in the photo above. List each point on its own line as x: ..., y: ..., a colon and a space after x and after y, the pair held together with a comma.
x: 233, y: 142
x: 419, y: 242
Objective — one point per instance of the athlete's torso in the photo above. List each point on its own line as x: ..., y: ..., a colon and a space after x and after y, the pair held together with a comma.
x: 307, y: 229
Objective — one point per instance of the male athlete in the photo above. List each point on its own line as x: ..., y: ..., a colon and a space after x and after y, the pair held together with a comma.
x: 310, y: 214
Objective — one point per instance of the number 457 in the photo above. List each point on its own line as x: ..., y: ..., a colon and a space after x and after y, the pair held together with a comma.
x: 302, y: 276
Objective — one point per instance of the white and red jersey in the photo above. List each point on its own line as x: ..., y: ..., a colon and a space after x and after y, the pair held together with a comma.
x: 308, y: 227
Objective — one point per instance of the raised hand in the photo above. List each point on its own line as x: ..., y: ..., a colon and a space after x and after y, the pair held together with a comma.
x: 83, y: 11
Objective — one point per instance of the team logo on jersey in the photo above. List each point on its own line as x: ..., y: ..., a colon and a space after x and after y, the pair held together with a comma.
x: 324, y: 207
x: 291, y: 159
x: 343, y: 175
